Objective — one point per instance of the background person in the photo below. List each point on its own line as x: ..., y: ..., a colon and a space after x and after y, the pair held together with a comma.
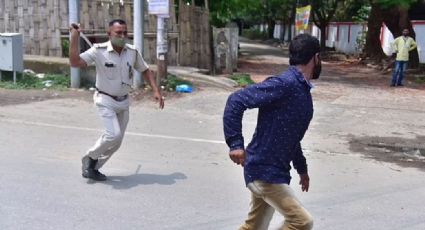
x: 401, y: 46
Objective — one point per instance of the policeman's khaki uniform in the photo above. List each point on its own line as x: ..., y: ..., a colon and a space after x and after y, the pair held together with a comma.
x: 114, y: 77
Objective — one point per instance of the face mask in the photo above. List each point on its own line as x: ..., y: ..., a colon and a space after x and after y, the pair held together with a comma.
x: 317, y: 70
x: 119, y: 42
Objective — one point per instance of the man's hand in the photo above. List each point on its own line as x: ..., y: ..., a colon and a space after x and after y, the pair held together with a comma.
x: 304, y: 182
x: 158, y: 97
x: 74, y: 52
x: 74, y: 26
x: 238, y: 156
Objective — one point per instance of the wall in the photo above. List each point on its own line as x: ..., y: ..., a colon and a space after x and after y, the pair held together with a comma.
x: 278, y: 31
x: 44, y: 23
x: 342, y: 36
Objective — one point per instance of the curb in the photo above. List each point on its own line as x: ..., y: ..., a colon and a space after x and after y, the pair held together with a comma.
x: 196, y: 77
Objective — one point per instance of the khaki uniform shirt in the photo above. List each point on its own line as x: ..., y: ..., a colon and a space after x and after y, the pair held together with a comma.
x: 402, y: 46
x: 114, y: 72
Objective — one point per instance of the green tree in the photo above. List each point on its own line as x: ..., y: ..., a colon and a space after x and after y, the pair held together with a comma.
x: 352, y: 10
x: 251, y: 11
x: 322, y: 13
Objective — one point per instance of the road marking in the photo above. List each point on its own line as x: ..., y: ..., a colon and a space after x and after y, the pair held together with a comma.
x: 33, y: 123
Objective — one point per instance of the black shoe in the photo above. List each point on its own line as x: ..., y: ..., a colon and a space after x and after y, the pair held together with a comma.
x: 100, y: 175
x: 88, y: 163
x: 94, y: 175
x: 400, y: 84
x: 392, y: 85
x: 89, y: 170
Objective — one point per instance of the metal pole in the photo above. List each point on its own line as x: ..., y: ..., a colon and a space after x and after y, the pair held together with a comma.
x: 138, y: 12
x: 161, y: 48
x: 74, y: 17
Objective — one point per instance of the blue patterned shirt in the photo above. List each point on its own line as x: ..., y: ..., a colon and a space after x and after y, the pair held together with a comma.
x: 285, y: 111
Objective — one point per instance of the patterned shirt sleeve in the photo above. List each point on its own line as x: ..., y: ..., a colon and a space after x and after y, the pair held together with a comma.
x: 299, y: 161
x: 253, y: 96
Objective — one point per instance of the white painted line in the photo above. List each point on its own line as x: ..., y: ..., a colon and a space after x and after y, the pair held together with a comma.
x: 33, y: 123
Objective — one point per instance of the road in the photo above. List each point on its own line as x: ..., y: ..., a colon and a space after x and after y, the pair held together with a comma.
x: 364, y: 149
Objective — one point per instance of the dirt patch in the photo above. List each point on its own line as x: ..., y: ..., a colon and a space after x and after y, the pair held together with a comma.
x: 14, y: 97
x: 402, y: 151
x: 260, y: 69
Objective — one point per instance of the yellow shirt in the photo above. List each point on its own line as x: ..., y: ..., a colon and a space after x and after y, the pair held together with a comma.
x: 402, y: 46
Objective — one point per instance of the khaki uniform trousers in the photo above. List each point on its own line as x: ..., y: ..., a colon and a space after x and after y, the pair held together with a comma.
x: 114, y: 116
x: 266, y: 198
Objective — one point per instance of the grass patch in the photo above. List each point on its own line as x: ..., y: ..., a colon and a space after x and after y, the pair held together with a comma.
x: 420, y: 79
x: 30, y: 81
x: 173, y: 81
x: 243, y: 79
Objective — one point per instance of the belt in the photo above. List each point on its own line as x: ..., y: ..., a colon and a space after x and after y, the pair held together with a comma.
x: 116, y: 98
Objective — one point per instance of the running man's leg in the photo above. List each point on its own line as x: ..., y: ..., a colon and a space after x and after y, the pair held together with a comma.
x: 110, y: 138
x: 259, y: 216
x: 123, y: 118
x: 282, y: 199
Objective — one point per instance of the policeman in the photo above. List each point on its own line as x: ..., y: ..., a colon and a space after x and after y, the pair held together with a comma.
x: 114, y: 61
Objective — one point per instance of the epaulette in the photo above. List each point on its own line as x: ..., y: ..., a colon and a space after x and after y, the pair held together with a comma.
x: 130, y: 46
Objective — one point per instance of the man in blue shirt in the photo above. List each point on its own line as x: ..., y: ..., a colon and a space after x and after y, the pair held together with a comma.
x: 285, y: 111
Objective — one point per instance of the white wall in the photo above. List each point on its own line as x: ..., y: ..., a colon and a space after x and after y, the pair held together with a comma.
x: 338, y: 34
x: 341, y: 36
x: 278, y: 28
x: 420, y: 39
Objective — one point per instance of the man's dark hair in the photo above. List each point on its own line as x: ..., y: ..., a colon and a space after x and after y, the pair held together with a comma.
x: 119, y: 21
x: 302, y: 48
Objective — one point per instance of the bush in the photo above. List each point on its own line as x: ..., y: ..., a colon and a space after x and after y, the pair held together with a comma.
x: 30, y: 81
x: 173, y: 81
x: 243, y: 79
x: 65, y: 47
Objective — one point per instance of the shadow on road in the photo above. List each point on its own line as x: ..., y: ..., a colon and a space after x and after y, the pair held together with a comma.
x: 130, y: 181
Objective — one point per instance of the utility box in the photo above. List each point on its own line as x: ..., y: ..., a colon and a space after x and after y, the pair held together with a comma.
x: 11, y: 52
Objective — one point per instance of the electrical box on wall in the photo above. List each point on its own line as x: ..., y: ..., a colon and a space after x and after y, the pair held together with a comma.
x: 11, y: 52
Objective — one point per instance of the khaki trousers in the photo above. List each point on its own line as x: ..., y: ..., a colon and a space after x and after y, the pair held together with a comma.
x: 269, y: 197
x: 114, y: 116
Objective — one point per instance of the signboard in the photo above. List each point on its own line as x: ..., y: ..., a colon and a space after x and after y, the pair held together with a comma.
x: 301, y: 18
x: 161, y: 43
x: 161, y: 7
